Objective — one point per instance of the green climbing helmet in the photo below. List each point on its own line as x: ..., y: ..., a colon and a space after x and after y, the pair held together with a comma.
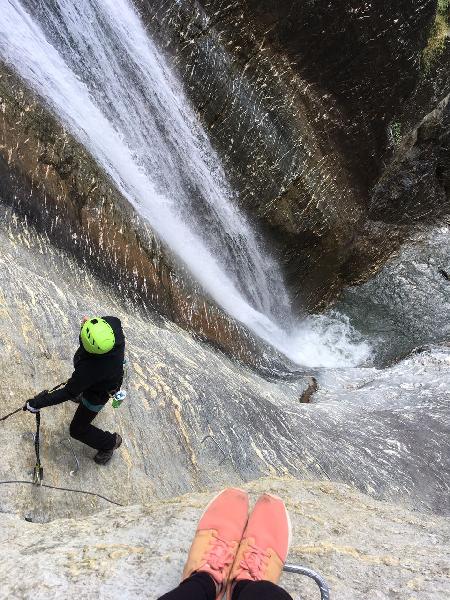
x: 97, y: 336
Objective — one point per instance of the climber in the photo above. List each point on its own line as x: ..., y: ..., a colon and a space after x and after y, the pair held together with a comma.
x: 98, y: 374
x: 235, y: 553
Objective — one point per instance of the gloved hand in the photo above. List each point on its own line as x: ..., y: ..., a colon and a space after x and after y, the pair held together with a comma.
x: 30, y: 404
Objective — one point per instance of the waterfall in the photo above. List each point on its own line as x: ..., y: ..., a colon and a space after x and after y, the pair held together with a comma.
x: 95, y: 66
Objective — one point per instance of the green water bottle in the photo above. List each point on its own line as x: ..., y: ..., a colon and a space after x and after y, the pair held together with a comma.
x: 118, y: 398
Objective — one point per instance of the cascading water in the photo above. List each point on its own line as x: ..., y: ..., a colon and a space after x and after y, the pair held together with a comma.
x: 95, y: 66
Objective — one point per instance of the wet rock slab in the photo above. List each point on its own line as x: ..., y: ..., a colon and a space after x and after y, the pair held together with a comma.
x: 55, y: 184
x: 407, y: 304
x: 194, y: 418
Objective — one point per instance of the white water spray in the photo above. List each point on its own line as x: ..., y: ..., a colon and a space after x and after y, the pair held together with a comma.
x: 95, y: 66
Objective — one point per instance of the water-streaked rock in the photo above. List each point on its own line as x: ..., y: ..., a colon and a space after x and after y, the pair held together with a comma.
x: 46, y: 175
x: 383, y: 431
x: 309, y: 105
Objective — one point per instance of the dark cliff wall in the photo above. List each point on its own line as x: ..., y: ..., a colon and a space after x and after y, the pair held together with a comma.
x: 308, y: 103
x: 330, y: 120
x: 367, y: 55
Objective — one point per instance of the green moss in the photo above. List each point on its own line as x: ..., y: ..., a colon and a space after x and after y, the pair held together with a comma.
x: 438, y: 35
x: 395, y: 133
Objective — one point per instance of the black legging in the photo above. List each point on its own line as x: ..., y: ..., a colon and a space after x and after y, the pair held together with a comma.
x: 82, y: 430
x: 200, y: 586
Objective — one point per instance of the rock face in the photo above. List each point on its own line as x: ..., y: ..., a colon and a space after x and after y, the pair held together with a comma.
x: 139, y: 551
x: 366, y: 427
x: 406, y: 305
x: 333, y: 123
x: 420, y: 169
x: 307, y: 103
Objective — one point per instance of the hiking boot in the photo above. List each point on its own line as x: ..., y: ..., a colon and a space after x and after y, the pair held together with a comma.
x: 265, y: 544
x: 104, y: 456
x: 217, y: 538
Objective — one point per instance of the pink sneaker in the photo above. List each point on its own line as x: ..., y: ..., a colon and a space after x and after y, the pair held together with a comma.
x: 217, y: 537
x: 265, y: 544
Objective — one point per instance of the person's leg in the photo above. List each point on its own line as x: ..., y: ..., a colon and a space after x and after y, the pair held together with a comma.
x: 258, y: 590
x: 262, y: 552
x: 82, y: 430
x: 199, y: 586
x: 217, y: 538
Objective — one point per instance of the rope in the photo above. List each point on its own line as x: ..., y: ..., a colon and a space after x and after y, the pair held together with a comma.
x: 38, y: 473
x: 21, y: 408
x: 54, y: 487
x: 11, y: 414
x: 36, y: 437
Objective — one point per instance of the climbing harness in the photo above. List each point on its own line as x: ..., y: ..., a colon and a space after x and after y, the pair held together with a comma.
x: 323, y: 586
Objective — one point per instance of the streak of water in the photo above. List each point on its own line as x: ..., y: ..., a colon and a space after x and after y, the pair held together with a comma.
x: 96, y: 67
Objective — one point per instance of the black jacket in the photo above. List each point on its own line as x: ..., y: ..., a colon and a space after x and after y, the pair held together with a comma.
x: 96, y: 376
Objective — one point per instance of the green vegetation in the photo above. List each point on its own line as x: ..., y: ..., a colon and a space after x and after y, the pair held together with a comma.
x: 395, y: 132
x: 438, y: 36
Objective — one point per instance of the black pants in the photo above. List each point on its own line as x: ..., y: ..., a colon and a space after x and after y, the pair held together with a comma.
x: 82, y: 430
x: 200, y: 586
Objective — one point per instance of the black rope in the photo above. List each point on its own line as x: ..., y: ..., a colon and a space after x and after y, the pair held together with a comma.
x: 38, y: 473
x: 11, y: 414
x: 21, y: 408
x: 54, y: 487
x: 36, y: 437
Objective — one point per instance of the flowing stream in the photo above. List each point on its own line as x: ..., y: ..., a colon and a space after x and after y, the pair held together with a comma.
x: 95, y: 66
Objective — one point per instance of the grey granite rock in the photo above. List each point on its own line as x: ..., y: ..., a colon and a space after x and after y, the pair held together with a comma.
x: 407, y: 304
x: 363, y: 548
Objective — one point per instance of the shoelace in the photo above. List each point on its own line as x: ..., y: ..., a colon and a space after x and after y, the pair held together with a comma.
x: 254, y: 560
x: 221, y: 554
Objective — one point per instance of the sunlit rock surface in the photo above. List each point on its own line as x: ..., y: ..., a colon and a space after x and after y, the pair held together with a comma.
x: 365, y: 427
x: 364, y: 548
